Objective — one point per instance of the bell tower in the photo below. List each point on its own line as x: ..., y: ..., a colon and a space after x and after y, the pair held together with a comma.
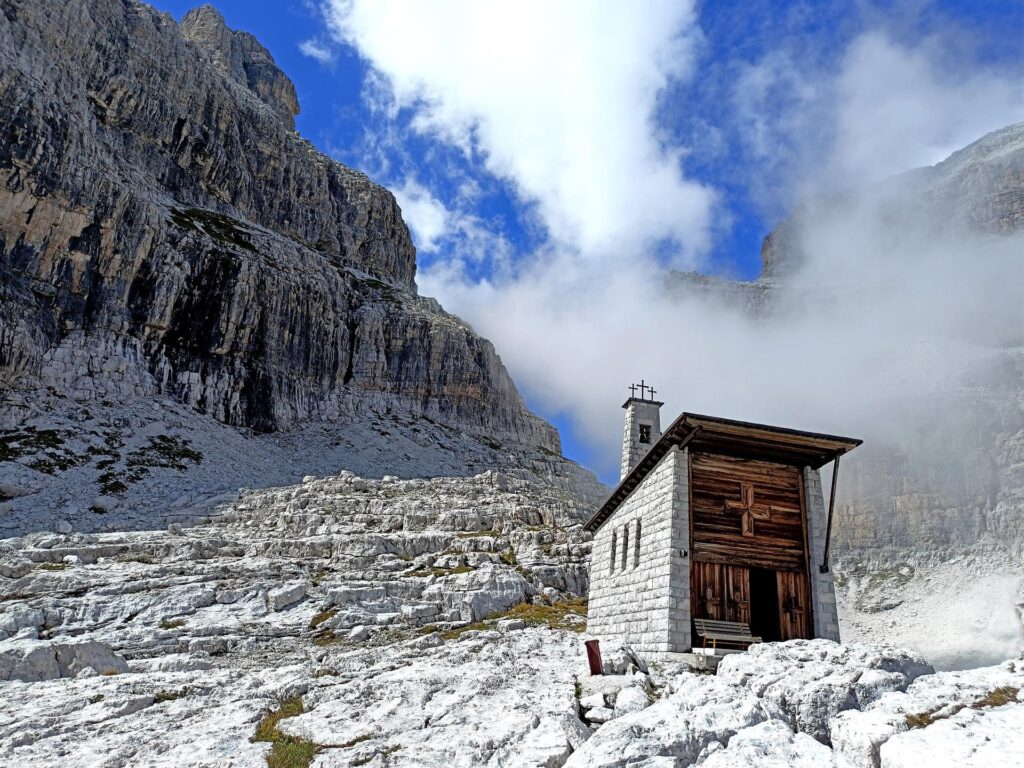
x: 643, y: 425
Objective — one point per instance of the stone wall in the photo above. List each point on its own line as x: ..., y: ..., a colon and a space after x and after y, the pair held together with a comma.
x: 645, y: 604
x: 823, y: 593
x: 638, y: 412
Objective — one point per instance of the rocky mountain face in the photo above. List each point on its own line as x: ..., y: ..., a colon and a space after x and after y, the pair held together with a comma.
x: 165, y: 232
x: 954, y: 477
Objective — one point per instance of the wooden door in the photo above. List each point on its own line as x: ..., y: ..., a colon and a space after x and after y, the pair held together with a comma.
x: 720, y: 592
x: 794, y: 605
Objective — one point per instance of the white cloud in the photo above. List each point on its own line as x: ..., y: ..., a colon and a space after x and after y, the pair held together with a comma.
x: 556, y: 98
x: 426, y: 216
x: 318, y: 51
x: 884, y: 108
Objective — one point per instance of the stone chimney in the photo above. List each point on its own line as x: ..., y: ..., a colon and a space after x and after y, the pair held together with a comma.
x: 642, y: 428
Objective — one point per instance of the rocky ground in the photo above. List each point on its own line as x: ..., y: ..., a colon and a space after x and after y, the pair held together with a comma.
x: 963, y: 611
x: 142, y: 464
x: 345, y: 621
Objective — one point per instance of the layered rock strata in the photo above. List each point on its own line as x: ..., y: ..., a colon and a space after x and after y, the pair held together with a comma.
x: 164, y: 231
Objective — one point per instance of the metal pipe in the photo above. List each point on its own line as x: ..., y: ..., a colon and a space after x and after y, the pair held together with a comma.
x: 823, y: 568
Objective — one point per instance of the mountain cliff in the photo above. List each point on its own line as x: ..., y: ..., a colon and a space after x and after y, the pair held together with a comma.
x: 163, y: 230
x: 172, y: 251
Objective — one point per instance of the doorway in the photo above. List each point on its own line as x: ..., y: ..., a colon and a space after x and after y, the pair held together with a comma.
x: 764, y: 605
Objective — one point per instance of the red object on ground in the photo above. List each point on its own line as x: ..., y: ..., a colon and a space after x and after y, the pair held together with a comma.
x: 594, y: 656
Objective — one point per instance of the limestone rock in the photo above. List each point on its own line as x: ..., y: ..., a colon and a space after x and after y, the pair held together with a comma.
x: 702, y: 711
x: 165, y: 233
x: 807, y: 682
x: 285, y: 597
x: 770, y: 745
x: 969, y: 739
x: 31, y: 661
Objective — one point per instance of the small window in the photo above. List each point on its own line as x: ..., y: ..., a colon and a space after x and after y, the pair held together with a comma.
x: 625, y: 545
x: 636, y: 546
x: 645, y: 433
x: 612, y: 568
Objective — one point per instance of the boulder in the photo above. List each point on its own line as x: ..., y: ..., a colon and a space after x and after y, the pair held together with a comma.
x: 769, y: 745
x: 972, y: 738
x: 284, y: 597
x: 632, y: 699
x: 482, y: 592
x: 32, y: 660
x: 704, y: 710
x: 806, y: 683
x: 857, y: 736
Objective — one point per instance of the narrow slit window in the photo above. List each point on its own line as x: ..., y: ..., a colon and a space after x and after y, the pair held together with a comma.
x: 645, y: 433
x: 625, y: 545
x: 636, y: 546
x: 612, y: 568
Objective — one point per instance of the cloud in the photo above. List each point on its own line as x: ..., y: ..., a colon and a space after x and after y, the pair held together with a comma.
x: 561, y: 103
x: 318, y: 51
x: 426, y: 216
x: 556, y: 98
x: 880, y: 108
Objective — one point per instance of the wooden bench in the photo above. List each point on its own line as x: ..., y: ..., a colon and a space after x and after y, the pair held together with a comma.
x: 732, y: 632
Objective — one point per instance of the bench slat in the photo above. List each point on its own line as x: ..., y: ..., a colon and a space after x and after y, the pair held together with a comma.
x: 744, y: 638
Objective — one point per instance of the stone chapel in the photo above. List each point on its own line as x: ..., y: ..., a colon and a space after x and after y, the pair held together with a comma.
x: 713, y: 519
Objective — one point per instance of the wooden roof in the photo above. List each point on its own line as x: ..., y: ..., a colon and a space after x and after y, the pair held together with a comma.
x: 742, y: 439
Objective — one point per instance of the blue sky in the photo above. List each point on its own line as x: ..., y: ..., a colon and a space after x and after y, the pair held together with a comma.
x: 538, y: 148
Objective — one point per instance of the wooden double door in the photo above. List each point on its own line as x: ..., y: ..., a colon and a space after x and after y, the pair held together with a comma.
x: 775, y: 604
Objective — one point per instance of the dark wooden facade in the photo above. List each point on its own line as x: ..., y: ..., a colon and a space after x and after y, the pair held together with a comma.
x: 749, y: 545
x: 749, y: 557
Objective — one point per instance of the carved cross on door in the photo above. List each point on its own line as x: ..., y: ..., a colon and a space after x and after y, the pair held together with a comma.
x: 748, y: 512
x: 792, y: 608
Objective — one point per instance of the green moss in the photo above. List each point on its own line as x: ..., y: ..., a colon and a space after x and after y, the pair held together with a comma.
x: 480, y: 534
x: 172, y: 623
x: 219, y: 227
x: 288, y: 751
x: 53, y: 566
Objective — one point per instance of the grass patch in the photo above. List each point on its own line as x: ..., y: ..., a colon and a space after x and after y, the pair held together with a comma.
x: 886, y: 578
x: 440, y: 571
x: 356, y: 740
x: 170, y: 695
x: 508, y: 557
x: 995, y: 698
x: 327, y: 636
x: 52, y: 566
x: 172, y: 623
x: 288, y: 751
x: 569, y: 614
x: 480, y: 534
x: 321, y: 617
x: 221, y: 228
x: 565, y: 614
x: 46, y: 447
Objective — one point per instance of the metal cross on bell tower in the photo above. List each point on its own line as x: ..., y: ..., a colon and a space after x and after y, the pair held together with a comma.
x: 647, y: 392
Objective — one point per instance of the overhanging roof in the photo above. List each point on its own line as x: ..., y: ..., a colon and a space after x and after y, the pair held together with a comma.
x: 742, y: 439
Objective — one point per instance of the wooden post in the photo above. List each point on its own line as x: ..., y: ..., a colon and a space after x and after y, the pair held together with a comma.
x: 594, y: 656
